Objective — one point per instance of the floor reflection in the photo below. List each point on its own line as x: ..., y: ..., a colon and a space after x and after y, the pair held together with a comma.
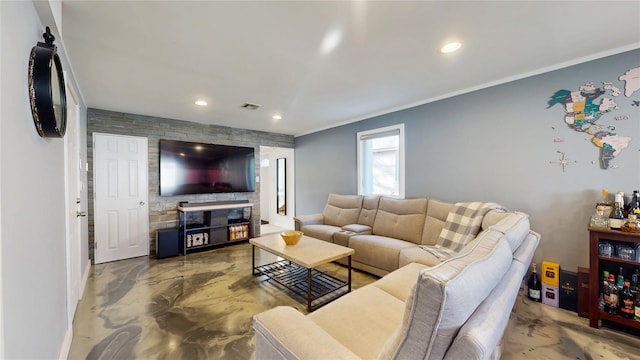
x: 200, y: 307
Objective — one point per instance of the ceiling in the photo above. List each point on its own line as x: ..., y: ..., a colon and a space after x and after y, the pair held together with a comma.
x: 157, y: 58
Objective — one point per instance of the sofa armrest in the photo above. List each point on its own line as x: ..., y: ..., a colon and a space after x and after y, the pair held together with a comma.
x: 285, y: 333
x: 303, y: 220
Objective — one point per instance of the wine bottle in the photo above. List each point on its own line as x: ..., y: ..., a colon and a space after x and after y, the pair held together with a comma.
x: 616, y: 219
x: 634, y: 205
x: 620, y: 279
x: 535, y: 288
x: 626, y: 302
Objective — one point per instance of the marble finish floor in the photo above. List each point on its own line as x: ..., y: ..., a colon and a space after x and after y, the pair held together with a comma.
x: 200, y: 307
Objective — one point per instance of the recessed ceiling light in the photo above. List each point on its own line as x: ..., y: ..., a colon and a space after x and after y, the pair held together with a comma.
x: 331, y: 40
x: 277, y: 117
x: 450, y: 47
x: 201, y: 103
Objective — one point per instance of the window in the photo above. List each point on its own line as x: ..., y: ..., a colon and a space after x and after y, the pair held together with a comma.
x: 381, y: 161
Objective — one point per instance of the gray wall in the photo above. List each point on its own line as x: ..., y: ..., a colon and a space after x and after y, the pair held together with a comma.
x: 162, y: 209
x: 495, y: 144
x: 32, y: 236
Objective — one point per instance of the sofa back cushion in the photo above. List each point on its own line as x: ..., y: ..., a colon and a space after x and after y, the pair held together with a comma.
x: 342, y: 209
x: 369, y: 210
x: 513, y: 224
x: 437, y: 212
x: 401, y: 218
x: 445, y: 296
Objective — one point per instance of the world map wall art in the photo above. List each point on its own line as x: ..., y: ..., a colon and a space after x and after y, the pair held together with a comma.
x: 583, y: 109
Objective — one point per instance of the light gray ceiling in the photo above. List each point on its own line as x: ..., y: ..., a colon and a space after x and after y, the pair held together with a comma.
x: 157, y: 58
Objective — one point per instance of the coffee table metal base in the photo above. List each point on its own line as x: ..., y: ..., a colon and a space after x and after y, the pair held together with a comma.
x: 316, y: 287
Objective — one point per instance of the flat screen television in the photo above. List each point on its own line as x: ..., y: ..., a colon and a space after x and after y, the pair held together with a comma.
x: 199, y: 168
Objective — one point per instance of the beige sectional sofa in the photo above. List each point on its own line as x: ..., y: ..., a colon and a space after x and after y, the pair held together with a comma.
x: 431, y: 303
x: 386, y: 233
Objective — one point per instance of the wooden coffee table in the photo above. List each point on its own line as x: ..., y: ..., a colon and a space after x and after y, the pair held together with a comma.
x: 297, y: 271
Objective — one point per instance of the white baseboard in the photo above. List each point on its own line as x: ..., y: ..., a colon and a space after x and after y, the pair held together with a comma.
x: 66, y: 345
x: 68, y: 336
x: 85, y: 277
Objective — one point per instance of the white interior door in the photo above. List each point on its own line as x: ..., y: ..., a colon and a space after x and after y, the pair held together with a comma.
x: 121, y: 220
x: 75, y: 213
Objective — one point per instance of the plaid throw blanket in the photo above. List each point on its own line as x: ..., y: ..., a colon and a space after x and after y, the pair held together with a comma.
x: 462, y: 224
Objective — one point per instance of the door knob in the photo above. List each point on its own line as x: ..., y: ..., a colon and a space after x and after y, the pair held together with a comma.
x: 141, y: 203
x: 81, y: 213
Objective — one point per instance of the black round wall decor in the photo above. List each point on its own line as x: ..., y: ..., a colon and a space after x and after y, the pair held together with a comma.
x: 47, y: 93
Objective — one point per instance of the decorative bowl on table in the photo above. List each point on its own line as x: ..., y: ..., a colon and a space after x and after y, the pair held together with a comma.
x: 291, y: 237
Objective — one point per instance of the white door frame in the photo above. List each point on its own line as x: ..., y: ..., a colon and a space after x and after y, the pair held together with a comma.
x: 72, y: 200
x: 274, y: 153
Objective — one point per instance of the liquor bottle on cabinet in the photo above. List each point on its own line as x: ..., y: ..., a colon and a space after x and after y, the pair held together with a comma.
x: 634, y: 204
x: 620, y: 278
x: 626, y: 302
x: 616, y: 219
x: 635, y: 282
x: 613, y: 296
x: 606, y: 292
x: 534, y: 286
x: 604, y: 204
x: 636, y: 308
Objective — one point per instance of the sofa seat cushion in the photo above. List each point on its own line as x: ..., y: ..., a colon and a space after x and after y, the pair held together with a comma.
x: 401, y: 219
x: 285, y: 333
x: 362, y: 320
x: 446, y: 295
x: 342, y: 209
x: 378, y: 251
x: 418, y: 254
x: 322, y: 232
x: 400, y: 282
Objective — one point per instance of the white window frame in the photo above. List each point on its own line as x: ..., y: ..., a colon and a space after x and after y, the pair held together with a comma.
x: 364, y: 135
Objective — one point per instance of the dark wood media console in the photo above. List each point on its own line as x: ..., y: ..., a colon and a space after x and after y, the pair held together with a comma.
x: 209, y: 224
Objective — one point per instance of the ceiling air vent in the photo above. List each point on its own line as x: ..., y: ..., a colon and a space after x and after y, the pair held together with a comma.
x: 249, y: 106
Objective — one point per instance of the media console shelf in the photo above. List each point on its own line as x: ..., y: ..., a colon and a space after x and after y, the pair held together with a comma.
x: 205, y: 225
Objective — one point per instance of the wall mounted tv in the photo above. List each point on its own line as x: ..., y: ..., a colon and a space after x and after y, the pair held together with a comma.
x: 198, y: 168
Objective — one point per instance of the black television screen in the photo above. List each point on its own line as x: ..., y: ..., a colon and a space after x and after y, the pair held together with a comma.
x: 198, y: 168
